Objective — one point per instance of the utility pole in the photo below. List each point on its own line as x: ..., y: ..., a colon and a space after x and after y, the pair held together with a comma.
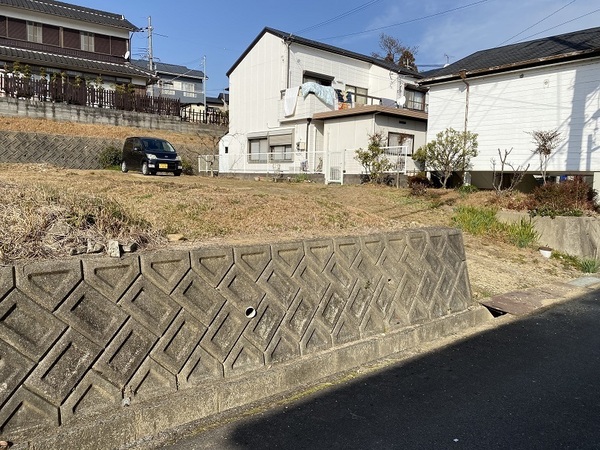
x: 150, y: 51
x: 204, y: 88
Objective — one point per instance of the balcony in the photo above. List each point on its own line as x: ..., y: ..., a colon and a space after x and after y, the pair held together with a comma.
x: 307, y: 107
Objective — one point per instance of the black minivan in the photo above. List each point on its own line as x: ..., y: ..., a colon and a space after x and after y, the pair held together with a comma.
x: 150, y: 155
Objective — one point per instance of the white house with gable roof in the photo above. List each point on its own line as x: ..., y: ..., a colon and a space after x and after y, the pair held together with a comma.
x: 298, y: 106
x: 505, y: 93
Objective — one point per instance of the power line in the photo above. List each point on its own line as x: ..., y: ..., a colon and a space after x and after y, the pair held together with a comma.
x: 537, y: 23
x: 458, y: 8
x: 338, y: 17
x: 561, y: 24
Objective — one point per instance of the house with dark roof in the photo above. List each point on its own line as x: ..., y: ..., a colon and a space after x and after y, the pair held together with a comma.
x: 175, y: 82
x: 505, y: 93
x: 298, y: 106
x: 52, y: 37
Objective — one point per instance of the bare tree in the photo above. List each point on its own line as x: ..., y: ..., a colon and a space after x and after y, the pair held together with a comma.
x: 395, y: 52
x: 546, y: 141
x: 498, y: 178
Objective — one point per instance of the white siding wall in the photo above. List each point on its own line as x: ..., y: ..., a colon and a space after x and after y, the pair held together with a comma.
x: 350, y: 133
x: 346, y: 71
x: 254, y: 91
x: 503, y: 108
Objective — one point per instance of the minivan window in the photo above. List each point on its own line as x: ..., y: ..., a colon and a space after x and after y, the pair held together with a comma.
x: 157, y: 145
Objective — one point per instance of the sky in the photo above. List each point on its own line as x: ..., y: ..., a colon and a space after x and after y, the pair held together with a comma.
x: 212, y: 35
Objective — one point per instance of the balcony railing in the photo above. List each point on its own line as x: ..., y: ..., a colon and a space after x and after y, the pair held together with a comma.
x: 307, y: 106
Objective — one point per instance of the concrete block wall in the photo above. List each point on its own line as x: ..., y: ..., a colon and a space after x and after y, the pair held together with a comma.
x: 83, y: 114
x: 71, y: 152
x: 97, y: 351
x: 575, y: 236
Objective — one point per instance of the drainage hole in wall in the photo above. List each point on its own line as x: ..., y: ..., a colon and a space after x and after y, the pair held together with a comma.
x: 250, y: 312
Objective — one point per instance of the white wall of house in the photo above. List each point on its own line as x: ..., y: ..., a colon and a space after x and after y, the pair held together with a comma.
x: 348, y: 134
x: 256, y: 105
x: 504, y: 108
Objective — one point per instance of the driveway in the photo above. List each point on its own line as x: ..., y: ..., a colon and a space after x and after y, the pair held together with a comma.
x: 531, y: 383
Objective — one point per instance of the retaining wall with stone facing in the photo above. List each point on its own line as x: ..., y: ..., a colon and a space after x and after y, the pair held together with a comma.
x: 100, y: 352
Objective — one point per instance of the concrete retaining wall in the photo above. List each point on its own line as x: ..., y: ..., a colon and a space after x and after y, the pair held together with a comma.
x: 71, y: 152
x: 98, y: 352
x: 83, y: 114
x: 575, y: 236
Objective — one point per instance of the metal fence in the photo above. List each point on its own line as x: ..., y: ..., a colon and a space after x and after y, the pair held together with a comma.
x: 272, y: 164
x: 78, y: 92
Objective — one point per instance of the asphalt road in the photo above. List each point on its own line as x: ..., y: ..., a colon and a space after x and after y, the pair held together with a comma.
x: 532, y: 383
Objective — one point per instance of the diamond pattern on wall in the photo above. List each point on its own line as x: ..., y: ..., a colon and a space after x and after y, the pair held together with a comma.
x: 263, y: 326
x: 243, y: 357
x: 13, y: 369
x: 125, y: 353
x: 92, y: 314
x: 26, y: 411
x: 278, y: 284
x: 28, y: 327
x: 178, y: 343
x: 318, y: 253
x: 224, y: 332
x: 92, y: 394
x: 79, y: 336
x: 287, y: 256
x: 212, y: 263
x: 150, y: 306
x: 150, y: 380
x: 7, y: 280
x: 49, y: 284
x: 198, y: 298
x: 111, y: 277
x: 252, y: 260
x: 63, y: 367
x: 198, y: 368
x: 165, y: 269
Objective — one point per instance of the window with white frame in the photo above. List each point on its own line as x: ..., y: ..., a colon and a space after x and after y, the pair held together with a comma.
x: 188, y: 87
x: 34, y: 32
x: 87, y: 41
x: 258, y: 150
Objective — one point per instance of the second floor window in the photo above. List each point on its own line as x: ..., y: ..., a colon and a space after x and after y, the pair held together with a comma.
x: 415, y: 100
x: 188, y: 87
x: 359, y: 94
x: 34, y: 32
x: 87, y: 41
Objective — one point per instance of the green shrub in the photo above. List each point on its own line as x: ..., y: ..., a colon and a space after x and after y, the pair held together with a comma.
x: 477, y: 221
x: 188, y: 167
x: 467, y: 189
x: 522, y: 234
x: 589, y: 265
x: 109, y: 157
x: 568, y: 198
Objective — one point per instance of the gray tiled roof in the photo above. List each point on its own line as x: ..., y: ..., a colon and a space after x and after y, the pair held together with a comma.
x: 71, y: 11
x: 575, y: 45
x: 72, y: 63
x: 326, y: 47
x: 171, y: 69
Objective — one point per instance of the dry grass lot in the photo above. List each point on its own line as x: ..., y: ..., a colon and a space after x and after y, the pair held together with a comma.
x: 46, y: 210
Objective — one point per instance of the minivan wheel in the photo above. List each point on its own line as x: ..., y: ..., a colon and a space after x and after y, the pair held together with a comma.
x: 145, y: 169
x: 124, y: 167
